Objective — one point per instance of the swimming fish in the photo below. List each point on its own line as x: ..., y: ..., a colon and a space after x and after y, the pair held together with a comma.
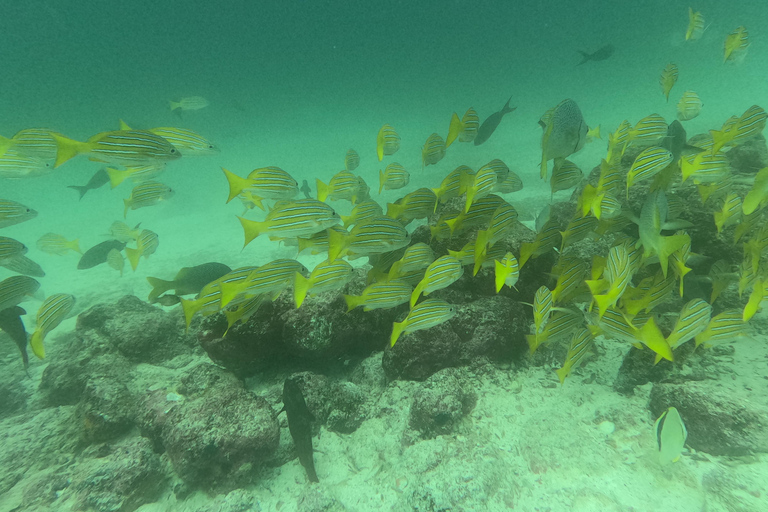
x: 565, y: 133
x: 271, y: 278
x: 325, y: 277
x: 423, y: 315
x: 433, y: 150
x: 188, y: 143
x: 343, y: 185
x: 381, y: 295
x: 306, y: 190
x: 32, y: 142
x: 491, y: 122
x: 654, y: 219
x: 13, y: 325
x: 668, y: 79
x: 121, y: 231
x: 98, y: 180
x: 602, y: 53
x: 351, y: 160
x: 189, y: 103
x: 265, y: 182
x: 565, y: 175
x: 16, y: 289
x: 726, y: 326
x: 57, y: 244
x: 12, y: 213
x: 15, y: 165
x: 300, y: 425
x: 119, y: 147
x: 648, y: 164
x: 52, y: 312
x: 146, y: 194
x: 300, y: 217
x: 695, y: 25
x: 736, y: 44
x: 581, y: 342
x: 374, y: 236
x: 670, y: 435
x: 116, y: 260
x: 387, y: 141
x: 440, y: 274
x: 507, y: 271
x: 146, y: 245
x: 689, y: 106
x: 416, y: 257
x: 362, y: 211
x: 10, y: 248
x: 393, y: 177
x: 419, y: 204
x: 138, y: 174
x: 97, y: 254
x: 188, y: 280
x: 648, y: 131
x: 483, y: 183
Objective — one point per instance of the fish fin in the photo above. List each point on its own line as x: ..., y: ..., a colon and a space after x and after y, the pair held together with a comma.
x: 584, y: 57
x: 454, y: 129
x: 381, y: 180
x: 667, y: 246
x: 236, y: 184
x: 394, y: 210
x: 417, y: 291
x: 353, y: 301
x: 82, y: 189
x: 501, y: 275
x: 116, y: 176
x: 75, y: 245
x: 336, y: 244
x: 322, y: 190
x: 650, y: 335
x: 452, y: 223
x: 67, y: 149
x: 397, y: 330
x: 562, y: 373
x: 190, y: 308
x: 174, y: 105
x: 133, y: 256
x: 301, y: 286
x: 159, y: 287
x: 127, y: 203
x: 124, y: 125
x: 251, y: 229
x: 36, y: 343
x: 506, y: 109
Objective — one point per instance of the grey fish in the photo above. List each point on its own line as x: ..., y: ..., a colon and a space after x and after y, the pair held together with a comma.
x: 305, y: 188
x: 675, y: 141
x: 188, y: 280
x: 167, y: 300
x: 569, y: 131
x: 491, y: 122
x: 13, y: 325
x: 300, y: 425
x: 24, y: 266
x: 97, y: 254
x: 602, y: 54
x: 98, y: 180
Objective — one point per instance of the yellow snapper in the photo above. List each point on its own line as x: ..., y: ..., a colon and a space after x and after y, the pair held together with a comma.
x: 689, y: 106
x: 362, y: 211
x: 564, y: 176
x: 419, y: 204
x: 560, y: 325
x: 424, y: 315
x: 730, y: 213
x: 670, y: 435
x: 455, y: 183
x: 52, y: 312
x: 10, y: 248
x: 296, y: 218
x: 507, y: 271
x: 351, y: 160
x: 15, y: 165
x: 146, y: 245
x: 668, y: 79
x: 653, y: 219
x: 737, y: 130
x: 547, y: 239
x: 470, y: 122
x: 122, y: 232
x: 119, y: 147
x: 34, y: 142
x: 454, y: 130
x: 387, y: 141
x: 57, y: 244
x: 565, y: 133
x: 116, y: 260
x: 433, y: 150
x: 12, y: 213
x: 695, y: 25
x: 264, y: 182
x: 483, y: 183
x: 440, y: 274
x: 726, y: 326
x: 208, y: 301
x: 188, y: 143
x: 189, y: 103
x: 317, y: 242
x: 648, y: 131
x: 146, y: 194
x: 136, y: 174
x: 648, y: 164
x: 736, y: 44
x: 480, y: 212
x: 416, y: 257
x: 581, y: 342
x: 343, y: 185
x: 393, y: 177
x: 374, y: 236
x: 325, y: 277
x: 692, y: 320
x: 381, y: 295
x: 272, y: 278
x: 16, y: 289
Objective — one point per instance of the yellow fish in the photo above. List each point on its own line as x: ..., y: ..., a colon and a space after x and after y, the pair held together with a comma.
x: 695, y: 25
x: 433, y: 150
x: 668, y: 79
x: 736, y: 44
x: 387, y: 142
x: 130, y: 148
x: 189, y: 103
x: 689, y: 106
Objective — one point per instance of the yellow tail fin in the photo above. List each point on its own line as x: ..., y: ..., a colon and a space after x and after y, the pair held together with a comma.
x: 454, y: 130
x: 133, y: 256
x: 36, y: 343
x: 381, y: 180
x: 67, y: 149
x: 116, y: 176
x: 397, y: 330
x: 353, y: 301
x: 322, y: 190
x: 236, y: 184
x: 301, y: 286
x: 251, y: 229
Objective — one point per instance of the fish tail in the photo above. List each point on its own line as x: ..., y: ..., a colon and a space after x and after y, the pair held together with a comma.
x: 397, y: 330
x: 190, y: 308
x: 236, y: 184
x: 36, y: 343
x: 322, y: 190
x: 507, y: 109
x: 394, y: 210
x: 133, y: 256
x: 75, y: 245
x: 667, y: 246
x: 479, y: 260
x: 174, y: 105
x: 5, y: 144
x: 353, y: 301
x: 80, y: 189
x: 381, y: 180
x: 752, y: 201
x: 651, y: 337
x: 584, y: 57
x: 116, y: 176
x: 501, y: 275
x: 455, y: 129
x: 470, y: 198
x: 127, y: 203
x: 562, y: 373
x: 604, y: 302
x: 251, y: 229
x: 300, y: 288
x: 67, y: 149
x: 159, y: 287
x: 416, y: 292
x: 336, y: 244
x: 533, y: 342
x: 452, y: 224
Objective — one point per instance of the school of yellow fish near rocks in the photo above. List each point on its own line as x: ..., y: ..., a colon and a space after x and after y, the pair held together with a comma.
x: 589, y: 298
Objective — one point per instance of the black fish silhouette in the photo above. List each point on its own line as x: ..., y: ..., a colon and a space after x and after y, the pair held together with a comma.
x: 489, y: 125
x: 601, y: 54
x: 97, y: 254
x: 13, y: 325
x: 97, y: 180
x: 305, y: 188
x: 300, y: 425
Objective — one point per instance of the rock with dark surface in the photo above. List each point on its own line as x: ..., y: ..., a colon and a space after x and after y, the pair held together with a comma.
x: 139, y: 331
x: 217, y: 435
x: 13, y: 396
x: 749, y: 157
x: 440, y: 402
x: 107, y: 409
x: 63, y: 381
x: 130, y: 476
x: 719, y: 421
x: 494, y: 327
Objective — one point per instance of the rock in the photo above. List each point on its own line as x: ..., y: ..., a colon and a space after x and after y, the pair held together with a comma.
x: 217, y: 436
x: 368, y: 373
x: 339, y: 405
x: 750, y: 157
x: 13, y: 396
x: 491, y: 326
x: 719, y: 421
x: 63, y: 382
x: 129, y: 477
x: 440, y: 402
x: 106, y: 411
x: 139, y: 331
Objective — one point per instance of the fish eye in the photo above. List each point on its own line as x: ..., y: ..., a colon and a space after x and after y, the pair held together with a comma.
x: 173, y: 150
x: 210, y: 146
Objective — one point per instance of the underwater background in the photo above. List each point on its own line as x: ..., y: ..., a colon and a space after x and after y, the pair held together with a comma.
x: 147, y: 407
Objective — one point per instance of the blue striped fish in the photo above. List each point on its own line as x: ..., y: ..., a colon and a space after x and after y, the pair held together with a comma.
x: 325, y: 277
x: 35, y: 142
x: 695, y: 25
x: 393, y: 177
x: 470, y: 122
x: 581, y: 342
x: 480, y: 212
x: 351, y: 160
x: 689, y: 106
x: 648, y: 164
x: 705, y: 167
x: 265, y: 182
x: 455, y: 183
x: 483, y: 183
x: 727, y: 326
x: 52, y: 312
x: 381, y: 295
x: 735, y: 44
x: 387, y: 141
x: 343, y: 185
x: 10, y: 248
x: 136, y: 174
x: 648, y: 131
x: 433, y: 150
x: 424, y: 315
x: 730, y: 213
x: 507, y: 271
x: 15, y: 289
x: 440, y: 274
x: 120, y: 147
x: 208, y: 301
x: 668, y: 79
x: 559, y: 326
x: 362, y: 211
x: 12, y: 213
x: 300, y: 217
x: 146, y: 194
x: 272, y: 278
x: 146, y: 245
x: 374, y: 236
x: 188, y: 143
x: 564, y: 176
x: 417, y: 257
x: 419, y: 204
x: 16, y: 165
x: 692, y: 320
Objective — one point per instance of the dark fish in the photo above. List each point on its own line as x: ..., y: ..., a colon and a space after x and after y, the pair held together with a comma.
x: 97, y: 254
x: 675, y: 141
x: 188, y: 280
x: 300, y: 425
x: 167, y: 300
x: 491, y: 122
x: 97, y: 181
x: 13, y: 325
x: 602, y: 54
x: 305, y: 188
